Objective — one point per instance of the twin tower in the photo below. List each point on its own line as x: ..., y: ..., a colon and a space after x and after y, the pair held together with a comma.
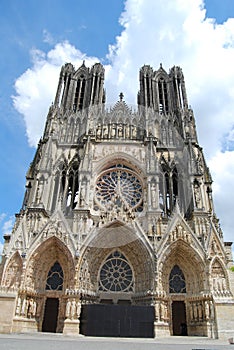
x: 117, y: 234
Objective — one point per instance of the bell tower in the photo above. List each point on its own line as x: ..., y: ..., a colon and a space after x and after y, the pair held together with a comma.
x: 79, y: 89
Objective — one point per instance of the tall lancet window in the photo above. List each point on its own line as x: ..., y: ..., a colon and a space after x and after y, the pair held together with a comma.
x: 163, y: 96
x: 95, y: 89
x: 147, y: 90
x: 168, y: 189
x: 174, y: 186
x: 179, y: 92
x: 79, y: 94
x: 73, y: 186
x: 59, y: 184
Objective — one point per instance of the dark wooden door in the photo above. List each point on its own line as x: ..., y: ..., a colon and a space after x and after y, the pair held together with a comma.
x: 179, y: 318
x: 50, y: 315
x: 117, y: 320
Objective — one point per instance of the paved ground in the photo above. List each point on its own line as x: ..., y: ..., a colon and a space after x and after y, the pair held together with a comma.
x: 45, y: 341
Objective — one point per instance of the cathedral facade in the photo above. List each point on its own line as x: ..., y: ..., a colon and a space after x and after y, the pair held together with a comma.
x: 117, y: 234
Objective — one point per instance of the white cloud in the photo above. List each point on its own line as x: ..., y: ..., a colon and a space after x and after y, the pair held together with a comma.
x: 7, y: 225
x: 47, y: 37
x: 174, y: 32
x: 222, y: 169
x: 2, y: 216
x: 35, y: 88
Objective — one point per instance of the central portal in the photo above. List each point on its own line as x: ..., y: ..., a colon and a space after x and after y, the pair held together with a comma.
x: 117, y: 320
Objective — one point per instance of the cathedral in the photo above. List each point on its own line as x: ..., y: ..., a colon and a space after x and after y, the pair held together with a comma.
x: 117, y: 234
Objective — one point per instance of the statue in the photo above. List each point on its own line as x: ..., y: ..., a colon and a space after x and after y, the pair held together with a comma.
x: 68, y: 309
x: 153, y: 196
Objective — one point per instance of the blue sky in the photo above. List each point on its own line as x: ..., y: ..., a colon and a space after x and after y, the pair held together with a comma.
x: 37, y: 37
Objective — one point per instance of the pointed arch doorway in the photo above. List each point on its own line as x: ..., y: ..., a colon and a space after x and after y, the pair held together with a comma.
x: 54, y: 284
x: 177, y: 289
x: 50, y: 315
x: 179, y: 323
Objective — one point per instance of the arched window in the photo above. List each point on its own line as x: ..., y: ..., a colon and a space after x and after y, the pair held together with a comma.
x: 55, y: 278
x: 67, y: 81
x: 177, y: 282
x: 147, y: 88
x: 95, y: 84
x: 73, y: 187
x: 116, y: 274
x: 162, y: 96
x: 168, y: 189
x: 79, y: 94
x: 59, y: 184
x: 174, y: 185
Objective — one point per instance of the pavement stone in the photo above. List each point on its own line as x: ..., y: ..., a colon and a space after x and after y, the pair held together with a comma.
x: 51, y: 341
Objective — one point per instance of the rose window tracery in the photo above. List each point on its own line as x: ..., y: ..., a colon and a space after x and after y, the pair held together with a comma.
x: 119, y: 186
x: 116, y: 274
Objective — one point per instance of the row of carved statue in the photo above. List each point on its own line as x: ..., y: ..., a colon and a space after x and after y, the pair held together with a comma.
x: 198, y: 310
x: 26, y: 307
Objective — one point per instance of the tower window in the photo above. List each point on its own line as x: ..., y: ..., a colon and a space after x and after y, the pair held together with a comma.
x: 168, y: 189
x: 79, y: 94
x: 73, y: 186
x: 163, y: 96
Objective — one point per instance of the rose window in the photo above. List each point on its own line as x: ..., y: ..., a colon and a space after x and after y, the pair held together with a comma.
x: 119, y: 186
x: 116, y: 274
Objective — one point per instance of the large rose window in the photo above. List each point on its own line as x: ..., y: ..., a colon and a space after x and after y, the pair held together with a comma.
x: 116, y: 274
x: 119, y: 186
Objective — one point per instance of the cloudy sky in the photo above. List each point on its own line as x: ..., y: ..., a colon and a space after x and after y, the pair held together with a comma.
x: 37, y: 37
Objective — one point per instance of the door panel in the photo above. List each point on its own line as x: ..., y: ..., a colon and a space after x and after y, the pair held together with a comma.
x: 117, y: 320
x: 179, y: 318
x: 50, y: 315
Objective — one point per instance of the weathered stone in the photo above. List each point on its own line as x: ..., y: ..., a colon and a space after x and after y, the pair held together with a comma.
x: 118, y: 209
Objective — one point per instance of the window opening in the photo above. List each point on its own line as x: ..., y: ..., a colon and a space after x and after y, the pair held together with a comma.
x: 76, y: 95
x: 116, y: 274
x: 81, y: 101
x: 55, y: 278
x: 95, y: 88
x: 119, y: 186
x: 163, y: 96
x: 175, y: 185
x: 73, y: 186
x: 177, y: 281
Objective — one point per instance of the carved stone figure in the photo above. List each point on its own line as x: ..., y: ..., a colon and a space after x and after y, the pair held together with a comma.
x: 68, y: 309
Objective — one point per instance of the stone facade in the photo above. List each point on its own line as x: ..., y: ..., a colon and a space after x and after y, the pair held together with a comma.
x: 118, y: 210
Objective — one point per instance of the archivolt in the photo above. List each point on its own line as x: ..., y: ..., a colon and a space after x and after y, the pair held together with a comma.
x: 118, y: 237
x: 43, y: 259
x: 181, y: 254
